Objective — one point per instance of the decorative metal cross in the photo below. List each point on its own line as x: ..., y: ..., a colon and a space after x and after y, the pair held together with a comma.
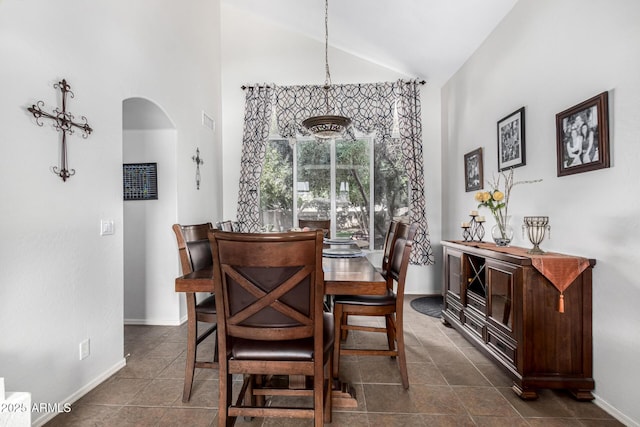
x: 198, y: 161
x: 63, y: 122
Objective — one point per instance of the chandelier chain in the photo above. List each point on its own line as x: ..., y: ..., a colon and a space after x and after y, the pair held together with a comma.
x: 327, y: 81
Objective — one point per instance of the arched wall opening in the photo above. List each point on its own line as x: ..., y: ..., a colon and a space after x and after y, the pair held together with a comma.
x: 150, y: 260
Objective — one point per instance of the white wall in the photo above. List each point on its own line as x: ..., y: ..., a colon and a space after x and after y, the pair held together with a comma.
x: 548, y: 56
x: 151, y: 264
x: 257, y: 51
x: 60, y: 282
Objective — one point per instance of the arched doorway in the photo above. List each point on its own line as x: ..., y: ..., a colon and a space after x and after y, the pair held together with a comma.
x: 150, y: 261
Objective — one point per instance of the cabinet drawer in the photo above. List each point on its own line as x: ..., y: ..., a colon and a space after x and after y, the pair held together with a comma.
x: 477, y: 302
x: 504, y: 346
x: 453, y: 306
x: 475, y: 323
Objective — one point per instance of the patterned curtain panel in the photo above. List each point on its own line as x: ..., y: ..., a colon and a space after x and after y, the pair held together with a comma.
x: 257, y: 118
x: 371, y: 108
x: 411, y: 142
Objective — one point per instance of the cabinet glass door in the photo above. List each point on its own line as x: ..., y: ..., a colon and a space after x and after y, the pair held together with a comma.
x: 501, y: 295
x: 453, y: 284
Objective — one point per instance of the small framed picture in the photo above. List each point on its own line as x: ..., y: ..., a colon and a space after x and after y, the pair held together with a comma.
x: 511, y: 149
x: 582, y: 136
x: 140, y: 181
x: 473, y: 178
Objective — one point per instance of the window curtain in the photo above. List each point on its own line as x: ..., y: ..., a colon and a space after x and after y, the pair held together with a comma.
x: 371, y: 108
x: 257, y: 118
x: 410, y: 124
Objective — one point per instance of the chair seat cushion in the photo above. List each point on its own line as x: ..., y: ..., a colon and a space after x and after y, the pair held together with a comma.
x: 368, y: 300
x: 207, y: 305
x: 244, y: 349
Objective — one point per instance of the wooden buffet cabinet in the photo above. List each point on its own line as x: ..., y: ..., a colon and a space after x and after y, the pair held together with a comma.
x: 503, y: 305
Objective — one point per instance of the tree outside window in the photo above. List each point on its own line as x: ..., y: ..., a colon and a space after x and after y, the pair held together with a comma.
x: 339, y: 180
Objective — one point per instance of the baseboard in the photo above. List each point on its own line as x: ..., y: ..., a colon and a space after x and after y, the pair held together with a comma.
x: 154, y: 322
x: 46, y: 417
x: 614, y: 412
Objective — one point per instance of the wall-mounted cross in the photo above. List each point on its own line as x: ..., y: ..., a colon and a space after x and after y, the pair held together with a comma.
x: 198, y: 161
x: 63, y: 122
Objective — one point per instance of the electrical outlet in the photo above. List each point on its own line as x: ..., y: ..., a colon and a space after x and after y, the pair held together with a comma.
x: 85, y: 349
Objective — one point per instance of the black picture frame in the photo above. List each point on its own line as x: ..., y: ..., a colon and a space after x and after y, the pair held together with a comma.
x: 140, y: 181
x: 511, y: 141
x: 582, y: 136
x: 473, y: 170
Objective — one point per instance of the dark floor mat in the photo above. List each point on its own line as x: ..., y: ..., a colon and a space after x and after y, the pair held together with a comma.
x: 431, y: 305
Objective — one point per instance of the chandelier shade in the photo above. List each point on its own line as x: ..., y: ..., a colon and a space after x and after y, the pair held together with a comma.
x: 327, y: 126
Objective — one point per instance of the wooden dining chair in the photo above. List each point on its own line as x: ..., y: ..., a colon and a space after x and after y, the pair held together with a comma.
x: 269, y: 290
x: 314, y: 224
x: 389, y: 306
x: 227, y: 225
x: 386, y: 253
x: 386, y: 249
x: 195, y: 254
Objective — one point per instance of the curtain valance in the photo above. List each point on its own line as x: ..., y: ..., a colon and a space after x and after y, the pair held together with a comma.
x: 370, y: 107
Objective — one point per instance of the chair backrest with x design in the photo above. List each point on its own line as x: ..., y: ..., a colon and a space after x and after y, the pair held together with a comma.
x: 270, y: 284
x: 269, y: 296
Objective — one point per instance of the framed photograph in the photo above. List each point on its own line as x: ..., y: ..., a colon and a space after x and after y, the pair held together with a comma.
x: 473, y: 178
x: 582, y: 136
x: 511, y: 149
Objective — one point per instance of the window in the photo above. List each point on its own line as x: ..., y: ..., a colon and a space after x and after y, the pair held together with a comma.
x: 341, y: 180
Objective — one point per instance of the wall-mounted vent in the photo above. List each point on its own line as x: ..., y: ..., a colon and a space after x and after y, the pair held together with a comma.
x: 207, y: 121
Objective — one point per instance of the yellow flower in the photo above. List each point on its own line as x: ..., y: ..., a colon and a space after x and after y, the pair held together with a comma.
x: 479, y: 196
x: 498, y: 195
x: 486, y: 196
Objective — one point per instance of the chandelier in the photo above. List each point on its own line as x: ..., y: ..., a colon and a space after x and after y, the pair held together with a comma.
x: 329, y: 125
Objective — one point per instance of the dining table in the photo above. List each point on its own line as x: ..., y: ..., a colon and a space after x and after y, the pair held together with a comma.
x: 351, y: 275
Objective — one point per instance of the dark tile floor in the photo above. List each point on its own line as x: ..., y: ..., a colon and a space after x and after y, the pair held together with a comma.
x: 452, y: 384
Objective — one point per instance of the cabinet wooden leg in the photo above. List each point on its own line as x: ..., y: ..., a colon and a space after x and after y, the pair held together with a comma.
x: 525, y: 393
x: 580, y: 394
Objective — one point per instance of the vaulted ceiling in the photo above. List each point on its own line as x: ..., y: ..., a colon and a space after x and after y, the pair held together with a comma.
x: 429, y: 39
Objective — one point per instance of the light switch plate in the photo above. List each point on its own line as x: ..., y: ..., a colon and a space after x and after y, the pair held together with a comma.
x: 85, y: 349
x: 106, y: 227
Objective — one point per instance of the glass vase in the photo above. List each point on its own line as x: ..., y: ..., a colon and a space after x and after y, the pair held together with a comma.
x: 502, y: 232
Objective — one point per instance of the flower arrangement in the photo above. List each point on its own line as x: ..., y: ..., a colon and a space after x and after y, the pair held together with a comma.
x: 497, y: 201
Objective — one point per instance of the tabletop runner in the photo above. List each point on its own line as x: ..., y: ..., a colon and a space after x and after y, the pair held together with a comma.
x: 561, y: 270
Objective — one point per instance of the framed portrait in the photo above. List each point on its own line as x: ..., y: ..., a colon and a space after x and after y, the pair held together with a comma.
x: 473, y: 178
x: 511, y: 148
x: 582, y: 136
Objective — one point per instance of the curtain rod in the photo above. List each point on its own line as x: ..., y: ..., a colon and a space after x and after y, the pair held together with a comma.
x: 245, y: 87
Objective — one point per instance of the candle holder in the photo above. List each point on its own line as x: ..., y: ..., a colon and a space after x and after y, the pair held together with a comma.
x: 466, y: 234
x: 536, y: 226
x: 473, y: 225
x: 479, y: 230
x: 476, y: 229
